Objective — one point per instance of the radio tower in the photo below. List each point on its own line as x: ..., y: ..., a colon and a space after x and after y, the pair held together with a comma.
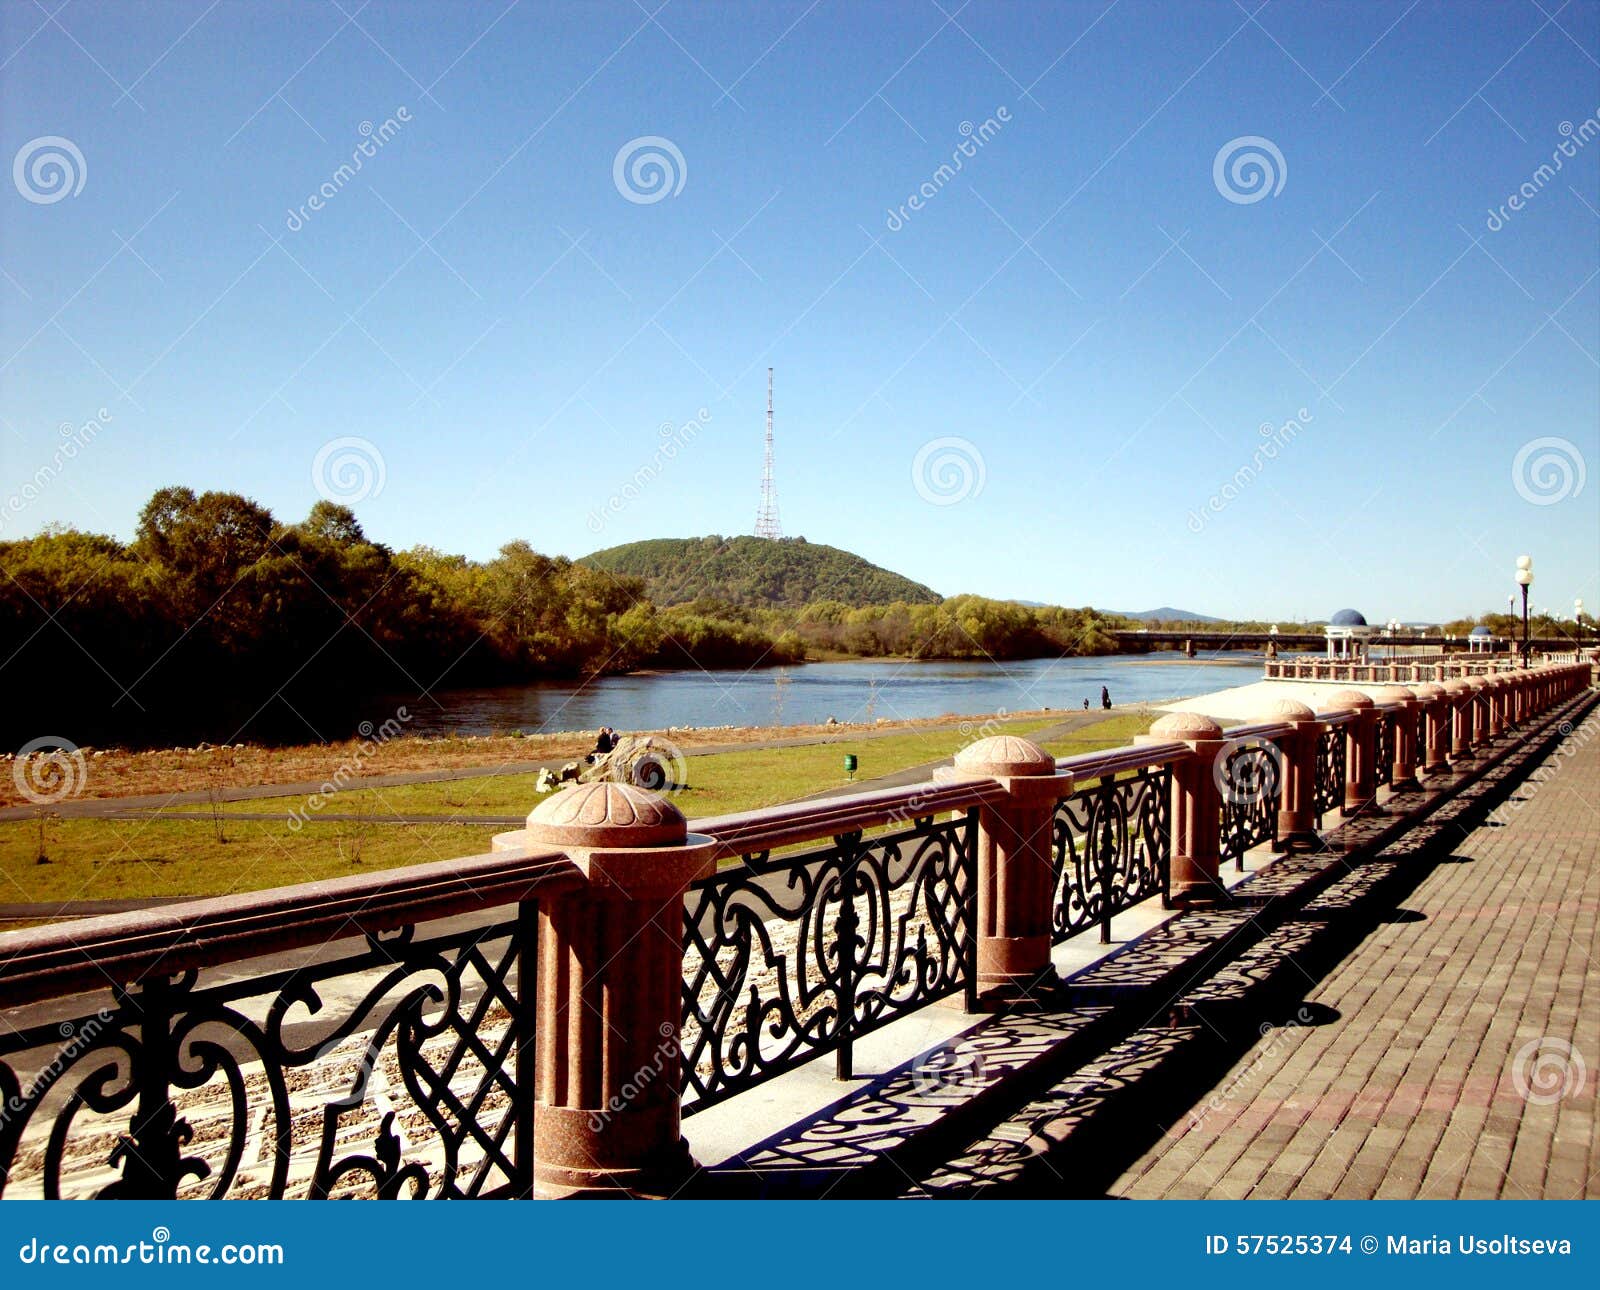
x: 767, y: 525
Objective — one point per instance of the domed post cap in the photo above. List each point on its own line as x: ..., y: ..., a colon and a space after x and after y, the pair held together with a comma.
x: 1191, y: 727
x: 1348, y: 701
x: 1287, y: 710
x: 606, y: 814
x: 1005, y: 757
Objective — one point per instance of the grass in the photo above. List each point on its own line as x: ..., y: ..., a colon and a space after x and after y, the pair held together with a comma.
x: 177, y: 854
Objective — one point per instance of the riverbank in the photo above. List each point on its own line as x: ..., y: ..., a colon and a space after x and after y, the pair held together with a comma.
x: 239, y: 772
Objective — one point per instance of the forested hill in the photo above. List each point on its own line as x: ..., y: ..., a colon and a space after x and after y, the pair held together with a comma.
x: 757, y: 572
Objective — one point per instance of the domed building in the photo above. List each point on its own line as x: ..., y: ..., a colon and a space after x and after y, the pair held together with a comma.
x: 1482, y: 639
x: 1347, y: 634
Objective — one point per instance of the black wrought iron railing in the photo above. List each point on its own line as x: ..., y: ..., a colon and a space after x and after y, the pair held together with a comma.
x: 1250, y: 777
x: 1328, y: 783
x: 389, y: 1061
x: 787, y: 959
x: 1111, y: 849
x: 1383, y: 768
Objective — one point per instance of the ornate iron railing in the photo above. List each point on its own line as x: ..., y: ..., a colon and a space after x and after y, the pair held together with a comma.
x: 1328, y: 784
x: 1251, y: 775
x: 1383, y: 748
x: 1112, y: 849
x: 391, y: 1071
x: 790, y: 958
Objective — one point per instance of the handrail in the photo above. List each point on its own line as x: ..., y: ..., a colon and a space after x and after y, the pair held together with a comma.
x: 1097, y: 765
x: 769, y: 827
x: 115, y: 949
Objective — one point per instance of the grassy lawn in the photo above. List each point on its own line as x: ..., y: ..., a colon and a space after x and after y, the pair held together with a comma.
x: 182, y: 855
x: 127, y: 860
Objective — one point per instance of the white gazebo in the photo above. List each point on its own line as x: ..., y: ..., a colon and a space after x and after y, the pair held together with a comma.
x: 1482, y: 640
x: 1347, y: 634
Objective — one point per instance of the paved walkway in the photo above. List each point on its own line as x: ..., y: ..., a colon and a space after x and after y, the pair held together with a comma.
x: 1460, y: 1054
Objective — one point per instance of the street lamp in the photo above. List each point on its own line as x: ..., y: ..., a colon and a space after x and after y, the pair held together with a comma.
x: 1525, y: 580
x: 1577, y: 617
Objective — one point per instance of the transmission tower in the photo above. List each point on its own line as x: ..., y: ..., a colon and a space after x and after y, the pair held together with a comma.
x: 767, y: 525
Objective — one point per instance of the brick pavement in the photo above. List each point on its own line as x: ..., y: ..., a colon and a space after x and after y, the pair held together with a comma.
x: 1455, y: 1052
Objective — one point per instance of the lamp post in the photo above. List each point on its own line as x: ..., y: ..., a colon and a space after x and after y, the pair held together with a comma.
x: 1525, y: 580
x: 1577, y: 617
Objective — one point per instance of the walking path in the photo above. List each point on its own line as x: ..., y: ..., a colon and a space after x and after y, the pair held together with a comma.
x: 1462, y: 1053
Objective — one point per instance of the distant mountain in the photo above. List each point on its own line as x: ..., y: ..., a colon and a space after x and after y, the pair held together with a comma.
x: 752, y: 571
x: 1170, y: 615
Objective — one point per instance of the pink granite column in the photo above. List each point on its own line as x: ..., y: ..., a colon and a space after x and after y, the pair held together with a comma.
x: 1196, y: 808
x: 1015, y: 878
x: 610, y: 993
x: 1403, y: 769
x: 1480, y: 710
x: 1435, y: 752
x: 1460, y: 695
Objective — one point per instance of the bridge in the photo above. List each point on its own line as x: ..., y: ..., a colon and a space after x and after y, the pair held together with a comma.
x: 1141, y: 641
x: 1005, y: 980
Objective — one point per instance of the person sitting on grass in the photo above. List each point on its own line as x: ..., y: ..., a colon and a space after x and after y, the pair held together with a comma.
x: 604, y: 742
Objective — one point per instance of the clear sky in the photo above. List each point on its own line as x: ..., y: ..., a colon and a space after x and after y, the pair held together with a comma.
x: 1092, y: 317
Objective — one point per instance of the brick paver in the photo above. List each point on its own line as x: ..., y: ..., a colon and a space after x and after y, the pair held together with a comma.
x: 1463, y: 1057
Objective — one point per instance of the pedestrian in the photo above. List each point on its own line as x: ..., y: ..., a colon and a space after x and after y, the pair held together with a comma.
x: 1105, y: 698
x: 1086, y: 705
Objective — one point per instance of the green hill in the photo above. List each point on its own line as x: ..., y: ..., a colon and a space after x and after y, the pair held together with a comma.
x: 789, y: 572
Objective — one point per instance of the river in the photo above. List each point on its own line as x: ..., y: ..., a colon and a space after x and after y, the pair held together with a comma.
x: 811, y: 693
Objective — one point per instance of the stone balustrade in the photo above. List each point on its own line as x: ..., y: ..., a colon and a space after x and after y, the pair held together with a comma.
x: 541, y: 1020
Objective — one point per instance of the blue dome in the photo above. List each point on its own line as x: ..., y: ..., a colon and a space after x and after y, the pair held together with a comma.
x: 1347, y: 618
x: 1480, y: 630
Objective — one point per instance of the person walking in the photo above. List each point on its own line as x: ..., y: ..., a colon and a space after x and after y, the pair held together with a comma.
x: 1105, y: 698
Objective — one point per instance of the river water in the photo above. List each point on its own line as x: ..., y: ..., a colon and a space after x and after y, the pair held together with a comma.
x: 811, y: 693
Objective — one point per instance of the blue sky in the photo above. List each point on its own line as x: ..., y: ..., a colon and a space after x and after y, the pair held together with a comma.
x: 1088, y: 316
